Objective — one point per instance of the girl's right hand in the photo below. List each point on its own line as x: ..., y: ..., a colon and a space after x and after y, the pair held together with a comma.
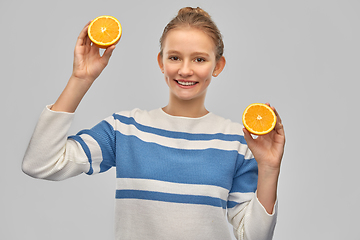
x: 88, y: 64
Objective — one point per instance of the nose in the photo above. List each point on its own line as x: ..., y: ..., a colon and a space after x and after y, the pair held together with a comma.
x: 185, y: 69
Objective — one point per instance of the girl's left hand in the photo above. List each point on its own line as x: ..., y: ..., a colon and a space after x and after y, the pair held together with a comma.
x: 268, y: 149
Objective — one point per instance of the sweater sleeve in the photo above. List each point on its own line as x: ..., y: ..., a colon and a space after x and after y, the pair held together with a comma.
x: 248, y: 217
x: 51, y: 154
x: 252, y: 222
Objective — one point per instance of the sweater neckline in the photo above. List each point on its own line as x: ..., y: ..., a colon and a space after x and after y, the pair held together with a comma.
x: 180, y: 117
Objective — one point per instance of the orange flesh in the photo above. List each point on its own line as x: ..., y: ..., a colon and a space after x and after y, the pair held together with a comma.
x: 104, y: 30
x: 259, y: 119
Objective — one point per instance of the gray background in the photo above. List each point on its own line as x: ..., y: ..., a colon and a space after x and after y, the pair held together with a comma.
x: 301, y: 56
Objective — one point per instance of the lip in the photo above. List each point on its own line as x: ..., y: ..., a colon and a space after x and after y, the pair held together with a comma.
x: 186, y: 81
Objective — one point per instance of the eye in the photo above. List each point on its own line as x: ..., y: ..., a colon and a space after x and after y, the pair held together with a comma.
x: 199, y: 60
x: 174, y: 58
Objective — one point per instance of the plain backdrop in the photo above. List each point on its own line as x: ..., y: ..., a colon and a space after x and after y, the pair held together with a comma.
x: 301, y: 56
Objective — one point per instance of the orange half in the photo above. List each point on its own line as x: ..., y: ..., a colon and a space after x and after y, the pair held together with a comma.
x: 105, y: 31
x: 259, y: 119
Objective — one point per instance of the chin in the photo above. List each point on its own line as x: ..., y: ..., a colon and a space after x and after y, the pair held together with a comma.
x: 182, y: 98
x: 185, y: 97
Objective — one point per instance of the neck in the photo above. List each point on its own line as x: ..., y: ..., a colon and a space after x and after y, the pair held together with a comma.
x: 194, y: 108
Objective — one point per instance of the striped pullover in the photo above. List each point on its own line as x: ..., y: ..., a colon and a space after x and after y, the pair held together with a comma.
x: 176, y: 177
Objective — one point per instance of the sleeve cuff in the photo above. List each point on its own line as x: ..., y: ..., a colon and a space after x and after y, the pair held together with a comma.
x: 260, y: 206
x: 48, y: 108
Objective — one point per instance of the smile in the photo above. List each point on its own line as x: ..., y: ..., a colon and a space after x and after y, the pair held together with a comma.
x: 186, y: 83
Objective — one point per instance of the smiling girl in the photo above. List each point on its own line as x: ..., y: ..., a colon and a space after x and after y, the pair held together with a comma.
x: 180, y: 169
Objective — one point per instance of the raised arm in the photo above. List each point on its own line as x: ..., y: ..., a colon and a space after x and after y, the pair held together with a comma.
x: 50, y: 154
x: 88, y: 64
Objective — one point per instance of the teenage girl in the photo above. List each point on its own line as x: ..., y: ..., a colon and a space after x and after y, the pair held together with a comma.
x: 180, y: 169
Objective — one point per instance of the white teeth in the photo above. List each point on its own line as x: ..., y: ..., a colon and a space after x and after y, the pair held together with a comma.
x: 186, y: 83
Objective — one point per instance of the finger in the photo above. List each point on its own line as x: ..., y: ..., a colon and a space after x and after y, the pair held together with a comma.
x: 108, y: 52
x: 83, y: 36
x: 247, y: 136
x: 278, y: 118
x: 273, y: 108
x: 87, y: 41
x: 94, y: 49
x: 275, y: 111
x: 279, y: 127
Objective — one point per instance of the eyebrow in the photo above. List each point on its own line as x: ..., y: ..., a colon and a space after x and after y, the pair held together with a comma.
x: 193, y: 54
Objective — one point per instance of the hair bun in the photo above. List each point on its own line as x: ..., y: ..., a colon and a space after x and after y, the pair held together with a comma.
x: 190, y: 10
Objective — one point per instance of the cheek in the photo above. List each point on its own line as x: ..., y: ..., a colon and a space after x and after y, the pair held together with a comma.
x: 206, y: 72
x: 168, y: 75
x: 170, y: 71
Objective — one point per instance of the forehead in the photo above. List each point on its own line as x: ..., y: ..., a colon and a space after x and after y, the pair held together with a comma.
x: 188, y: 40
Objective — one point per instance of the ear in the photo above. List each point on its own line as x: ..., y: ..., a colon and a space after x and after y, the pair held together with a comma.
x: 160, y: 62
x: 220, y: 64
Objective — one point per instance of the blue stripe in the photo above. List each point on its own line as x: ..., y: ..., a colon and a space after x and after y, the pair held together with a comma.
x: 145, y: 160
x: 179, y: 135
x: 86, y: 150
x: 104, y: 135
x: 170, y: 197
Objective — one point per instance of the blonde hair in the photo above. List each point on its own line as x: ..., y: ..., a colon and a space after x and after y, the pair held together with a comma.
x: 196, y: 18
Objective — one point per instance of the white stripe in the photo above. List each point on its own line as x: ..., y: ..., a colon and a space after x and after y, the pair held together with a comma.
x: 208, y: 124
x: 241, y: 197
x: 245, y: 151
x: 174, y: 188
x: 211, y: 124
x: 95, y: 151
x: 199, y: 221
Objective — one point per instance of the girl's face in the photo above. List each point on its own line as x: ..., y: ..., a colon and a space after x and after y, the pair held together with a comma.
x: 188, y: 63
